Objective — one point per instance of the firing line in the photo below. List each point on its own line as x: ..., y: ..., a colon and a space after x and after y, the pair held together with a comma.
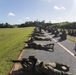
x: 62, y: 46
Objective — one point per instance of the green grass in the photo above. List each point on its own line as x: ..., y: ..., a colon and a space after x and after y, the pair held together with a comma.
x: 71, y: 38
x: 11, y: 44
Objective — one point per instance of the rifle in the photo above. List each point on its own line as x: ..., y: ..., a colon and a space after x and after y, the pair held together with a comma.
x: 19, y: 61
x: 26, y: 61
x: 49, y: 44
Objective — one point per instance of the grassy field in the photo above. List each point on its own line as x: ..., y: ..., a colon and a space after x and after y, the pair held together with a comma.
x: 71, y: 38
x: 11, y: 44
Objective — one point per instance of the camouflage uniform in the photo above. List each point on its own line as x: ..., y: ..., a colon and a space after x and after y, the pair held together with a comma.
x: 50, y: 69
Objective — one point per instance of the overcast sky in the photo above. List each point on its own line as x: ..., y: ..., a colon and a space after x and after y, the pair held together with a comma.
x: 20, y: 11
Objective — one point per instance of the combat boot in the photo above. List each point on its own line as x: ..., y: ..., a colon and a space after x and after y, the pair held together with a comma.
x: 66, y: 73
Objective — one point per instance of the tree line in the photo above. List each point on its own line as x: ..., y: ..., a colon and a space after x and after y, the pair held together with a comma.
x: 6, y: 25
x: 66, y: 25
x: 26, y: 24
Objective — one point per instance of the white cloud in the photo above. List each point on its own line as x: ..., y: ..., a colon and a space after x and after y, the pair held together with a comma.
x: 53, y: 21
x: 46, y: 20
x: 59, y: 19
x: 63, y: 8
x: 56, y: 7
x: 23, y: 20
x: 59, y: 8
x: 47, y: 1
x: 11, y: 14
x: 20, y: 21
x: 27, y: 18
x: 37, y: 10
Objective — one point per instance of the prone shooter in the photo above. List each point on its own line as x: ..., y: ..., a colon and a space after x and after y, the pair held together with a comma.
x: 50, y: 68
